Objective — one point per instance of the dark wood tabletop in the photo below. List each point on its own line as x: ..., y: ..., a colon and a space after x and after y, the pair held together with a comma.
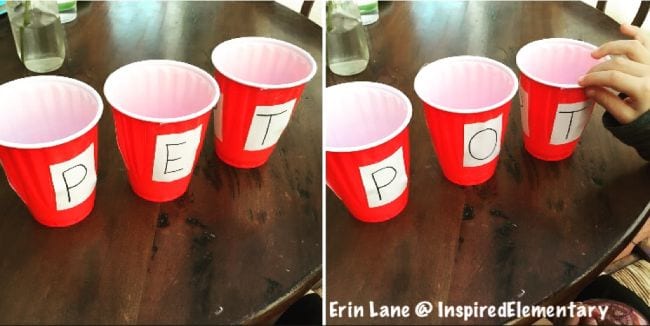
x: 238, y: 247
x: 539, y: 230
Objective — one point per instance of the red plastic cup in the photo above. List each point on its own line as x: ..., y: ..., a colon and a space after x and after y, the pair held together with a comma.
x: 367, y: 148
x: 48, y: 146
x: 161, y: 110
x: 466, y: 106
x: 554, y: 108
x: 261, y: 81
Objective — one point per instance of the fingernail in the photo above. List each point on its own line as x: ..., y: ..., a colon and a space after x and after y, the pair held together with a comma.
x: 590, y: 92
x: 581, y: 78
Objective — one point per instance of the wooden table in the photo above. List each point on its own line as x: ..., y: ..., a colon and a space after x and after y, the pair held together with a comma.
x: 239, y: 246
x: 539, y: 231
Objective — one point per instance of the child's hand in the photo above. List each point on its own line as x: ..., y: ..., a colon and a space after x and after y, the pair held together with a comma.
x: 629, y: 74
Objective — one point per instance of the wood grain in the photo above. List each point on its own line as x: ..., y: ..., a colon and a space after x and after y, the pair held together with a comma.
x: 540, y: 230
x: 253, y: 241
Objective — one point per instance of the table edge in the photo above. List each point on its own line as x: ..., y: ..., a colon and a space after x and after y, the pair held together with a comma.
x: 277, y: 307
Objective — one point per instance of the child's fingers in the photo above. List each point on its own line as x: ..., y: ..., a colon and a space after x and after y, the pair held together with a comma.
x: 617, y: 80
x: 620, y: 110
x: 633, y: 49
x: 629, y: 30
x: 635, y: 33
x: 623, y: 65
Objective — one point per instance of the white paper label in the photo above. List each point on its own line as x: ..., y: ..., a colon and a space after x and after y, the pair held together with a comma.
x: 386, y: 180
x: 523, y: 101
x: 74, y: 180
x: 570, y: 121
x: 175, y: 155
x: 481, y: 142
x: 267, y: 125
x: 218, y: 120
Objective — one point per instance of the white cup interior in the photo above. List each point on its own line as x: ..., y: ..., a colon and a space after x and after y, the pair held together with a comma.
x: 161, y: 90
x: 361, y: 115
x: 44, y: 111
x: 465, y: 84
x: 556, y: 62
x: 263, y: 62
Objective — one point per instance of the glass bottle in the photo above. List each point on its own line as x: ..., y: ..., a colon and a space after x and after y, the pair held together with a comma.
x: 38, y: 34
x: 369, y: 10
x: 67, y: 10
x: 347, y: 41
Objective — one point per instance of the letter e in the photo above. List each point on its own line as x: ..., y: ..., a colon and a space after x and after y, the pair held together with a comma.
x: 174, y: 155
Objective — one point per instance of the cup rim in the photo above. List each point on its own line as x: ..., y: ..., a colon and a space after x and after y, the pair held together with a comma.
x: 217, y: 64
x: 108, y: 86
x: 382, y: 140
x: 532, y: 44
x: 417, y: 83
x: 58, y: 79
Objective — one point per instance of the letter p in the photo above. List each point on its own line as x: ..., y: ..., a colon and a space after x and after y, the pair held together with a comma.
x: 385, y: 180
x: 74, y: 180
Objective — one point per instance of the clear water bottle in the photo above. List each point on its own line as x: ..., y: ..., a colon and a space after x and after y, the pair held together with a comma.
x: 38, y: 34
x: 347, y: 41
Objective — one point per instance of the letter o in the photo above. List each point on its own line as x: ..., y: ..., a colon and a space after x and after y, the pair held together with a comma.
x: 483, y: 137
